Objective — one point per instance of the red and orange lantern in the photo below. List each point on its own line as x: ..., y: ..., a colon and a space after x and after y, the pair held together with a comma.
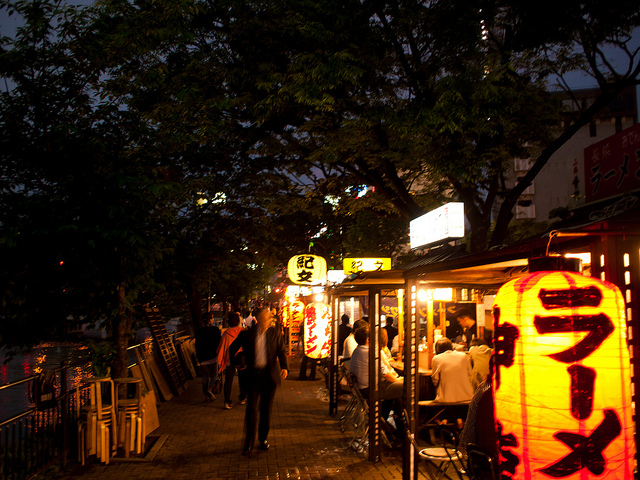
x: 317, y: 330
x: 563, y: 381
x: 293, y: 313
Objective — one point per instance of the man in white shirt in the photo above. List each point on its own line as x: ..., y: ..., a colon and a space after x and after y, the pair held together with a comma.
x: 359, y: 364
x: 451, y: 373
x: 350, y: 344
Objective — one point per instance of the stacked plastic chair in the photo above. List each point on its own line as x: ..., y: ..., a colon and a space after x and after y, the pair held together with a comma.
x: 130, y: 414
x: 97, y: 430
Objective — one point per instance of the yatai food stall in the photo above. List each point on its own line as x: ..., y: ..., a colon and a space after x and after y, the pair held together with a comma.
x: 373, y: 294
x: 579, y: 324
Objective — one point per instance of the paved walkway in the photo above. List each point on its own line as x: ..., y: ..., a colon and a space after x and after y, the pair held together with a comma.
x: 203, y: 441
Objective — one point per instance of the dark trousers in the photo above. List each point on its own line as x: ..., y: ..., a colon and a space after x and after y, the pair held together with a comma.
x: 303, y: 367
x: 209, y: 374
x: 229, y: 373
x: 261, y: 394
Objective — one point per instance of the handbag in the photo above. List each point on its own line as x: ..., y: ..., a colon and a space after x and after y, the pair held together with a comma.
x: 217, y: 385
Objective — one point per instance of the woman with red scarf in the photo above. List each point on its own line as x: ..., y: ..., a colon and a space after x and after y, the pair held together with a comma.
x: 227, y: 364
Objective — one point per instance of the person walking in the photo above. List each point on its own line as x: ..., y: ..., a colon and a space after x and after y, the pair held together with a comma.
x: 207, y: 341
x: 227, y: 364
x: 266, y: 367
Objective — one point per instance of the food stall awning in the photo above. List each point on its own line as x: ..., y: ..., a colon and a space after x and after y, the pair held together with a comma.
x: 360, y: 284
x: 487, y: 269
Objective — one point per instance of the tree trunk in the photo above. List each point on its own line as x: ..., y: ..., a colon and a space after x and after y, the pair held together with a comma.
x: 195, y: 304
x: 505, y: 213
x: 121, y: 332
x: 478, y: 237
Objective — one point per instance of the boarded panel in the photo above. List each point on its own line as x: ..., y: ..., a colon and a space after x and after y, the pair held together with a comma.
x: 163, y: 386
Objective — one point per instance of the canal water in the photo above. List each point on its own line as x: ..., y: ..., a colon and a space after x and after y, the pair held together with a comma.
x: 75, y: 355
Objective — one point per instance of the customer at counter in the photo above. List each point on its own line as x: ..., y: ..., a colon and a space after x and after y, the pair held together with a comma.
x: 350, y: 344
x: 359, y: 364
x: 391, y: 384
x: 480, y: 354
x: 344, y: 330
x: 451, y: 373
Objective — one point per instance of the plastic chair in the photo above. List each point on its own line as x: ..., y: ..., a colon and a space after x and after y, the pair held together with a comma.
x: 481, y: 465
x: 97, y: 431
x: 130, y: 414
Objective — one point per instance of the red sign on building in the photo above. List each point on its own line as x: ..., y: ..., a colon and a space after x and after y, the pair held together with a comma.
x: 612, y: 166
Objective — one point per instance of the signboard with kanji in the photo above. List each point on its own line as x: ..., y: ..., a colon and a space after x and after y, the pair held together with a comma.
x: 437, y: 226
x: 612, y: 166
x: 358, y: 265
x: 306, y: 269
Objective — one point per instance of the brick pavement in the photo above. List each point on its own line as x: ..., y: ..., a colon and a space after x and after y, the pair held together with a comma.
x: 203, y: 441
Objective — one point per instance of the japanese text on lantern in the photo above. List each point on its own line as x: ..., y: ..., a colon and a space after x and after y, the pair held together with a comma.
x: 293, y: 314
x: 563, y: 398
x: 317, y: 330
x: 307, y: 269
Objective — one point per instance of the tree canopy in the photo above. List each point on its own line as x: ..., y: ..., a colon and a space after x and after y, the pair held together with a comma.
x: 166, y: 149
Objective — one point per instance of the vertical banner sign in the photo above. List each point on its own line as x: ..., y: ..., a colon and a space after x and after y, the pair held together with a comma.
x: 294, y: 315
x: 307, y: 269
x: 317, y: 330
x: 563, y: 382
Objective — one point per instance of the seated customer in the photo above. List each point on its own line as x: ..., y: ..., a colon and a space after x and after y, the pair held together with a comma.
x: 480, y: 353
x: 344, y: 330
x: 391, y: 384
x: 479, y: 428
x: 350, y: 343
x: 451, y: 373
x: 359, y: 364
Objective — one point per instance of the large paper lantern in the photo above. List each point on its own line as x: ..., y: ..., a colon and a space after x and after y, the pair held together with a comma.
x: 307, y: 269
x: 317, y: 330
x: 563, y: 382
x: 293, y: 313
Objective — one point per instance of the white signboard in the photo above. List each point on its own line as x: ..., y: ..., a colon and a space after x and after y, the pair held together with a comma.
x: 442, y: 224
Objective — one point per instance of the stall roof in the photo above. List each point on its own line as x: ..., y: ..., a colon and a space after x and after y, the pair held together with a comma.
x: 449, y: 265
x: 360, y: 284
x: 489, y: 269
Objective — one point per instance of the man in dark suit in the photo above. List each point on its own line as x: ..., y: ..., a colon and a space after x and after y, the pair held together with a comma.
x: 391, y: 330
x: 266, y: 367
x: 343, y: 332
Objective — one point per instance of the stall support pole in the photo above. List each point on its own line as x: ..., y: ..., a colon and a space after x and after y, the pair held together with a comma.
x: 616, y: 259
x: 411, y: 385
x: 374, y: 375
x: 333, y: 374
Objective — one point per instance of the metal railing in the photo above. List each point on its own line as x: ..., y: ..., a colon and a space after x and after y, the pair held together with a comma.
x: 44, y: 434
x: 39, y: 437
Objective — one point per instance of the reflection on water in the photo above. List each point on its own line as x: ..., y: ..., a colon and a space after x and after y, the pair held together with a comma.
x: 45, y: 357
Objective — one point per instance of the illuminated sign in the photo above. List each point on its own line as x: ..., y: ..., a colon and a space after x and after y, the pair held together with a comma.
x: 439, y: 225
x: 610, y: 166
x: 317, y: 330
x: 293, y: 314
x: 357, y: 265
x: 307, y: 269
x: 563, y: 378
